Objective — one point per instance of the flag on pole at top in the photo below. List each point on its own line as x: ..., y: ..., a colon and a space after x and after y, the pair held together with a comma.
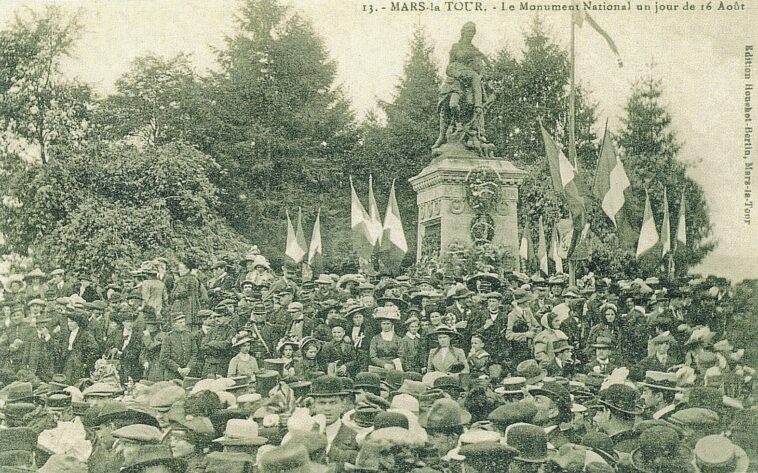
x: 555, y: 251
x: 359, y: 221
x: 316, y: 251
x: 648, y: 233
x: 293, y: 251
x: 393, y: 243
x: 375, y: 222
x: 611, y: 180
x: 666, y: 226
x: 580, y: 15
x: 681, y: 228
x: 542, y: 250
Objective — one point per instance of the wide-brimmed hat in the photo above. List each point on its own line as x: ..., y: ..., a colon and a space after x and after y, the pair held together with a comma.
x: 142, y: 433
x: 529, y: 440
x: 513, y: 412
x: 19, y: 392
x: 491, y: 278
x: 444, y: 414
x: 116, y: 411
x: 660, y: 380
x: 458, y: 291
x: 327, y: 386
x: 414, y: 388
x: 368, y: 382
x: 396, y: 301
x: 150, y: 455
x: 512, y: 385
x: 556, y: 392
x: 290, y: 457
x: 241, y: 338
x: 387, y: 313
x: 444, y: 330
x: 602, y: 444
x: 522, y: 296
x: 717, y: 452
x: 655, y: 443
x: 241, y: 432
x: 622, y: 398
x: 531, y: 370
x: 602, y: 342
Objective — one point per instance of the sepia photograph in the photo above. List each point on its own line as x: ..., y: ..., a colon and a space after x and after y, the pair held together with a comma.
x: 311, y: 236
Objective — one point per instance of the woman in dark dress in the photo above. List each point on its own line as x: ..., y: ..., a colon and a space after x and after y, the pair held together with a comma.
x: 359, y: 335
x: 385, y: 348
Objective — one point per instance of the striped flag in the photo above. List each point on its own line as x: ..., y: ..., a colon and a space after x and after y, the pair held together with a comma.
x: 648, y: 233
x: 666, y: 226
x: 611, y: 180
x: 565, y: 180
x: 542, y: 250
x: 359, y: 221
x: 555, y: 251
x: 681, y: 228
x: 316, y: 251
x: 293, y: 252
x: 393, y: 244
x: 375, y: 222
x: 581, y: 15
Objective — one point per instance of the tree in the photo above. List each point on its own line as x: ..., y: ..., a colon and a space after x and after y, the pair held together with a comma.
x: 37, y: 106
x: 158, y: 101
x: 130, y: 204
x: 282, y: 131
x: 649, y: 149
x: 400, y: 149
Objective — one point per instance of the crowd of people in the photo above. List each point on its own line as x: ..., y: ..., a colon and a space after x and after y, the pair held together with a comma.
x: 239, y: 368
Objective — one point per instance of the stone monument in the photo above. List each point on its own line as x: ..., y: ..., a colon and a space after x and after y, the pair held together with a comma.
x: 466, y: 195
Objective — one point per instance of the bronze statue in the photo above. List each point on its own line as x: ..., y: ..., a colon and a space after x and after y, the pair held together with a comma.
x: 464, y: 98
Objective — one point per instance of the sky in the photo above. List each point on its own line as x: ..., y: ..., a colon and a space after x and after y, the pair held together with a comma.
x: 699, y: 55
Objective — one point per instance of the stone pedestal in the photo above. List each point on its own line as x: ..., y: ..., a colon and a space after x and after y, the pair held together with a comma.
x: 456, y: 193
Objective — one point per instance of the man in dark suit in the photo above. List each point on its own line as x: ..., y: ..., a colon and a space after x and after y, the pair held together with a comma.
x: 491, y: 327
x: 130, y: 350
x: 658, y: 361
x: 602, y: 362
x: 329, y: 400
x: 179, y: 350
x: 36, y: 352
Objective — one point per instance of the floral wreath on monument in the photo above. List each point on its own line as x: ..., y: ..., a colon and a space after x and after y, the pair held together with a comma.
x: 483, y: 189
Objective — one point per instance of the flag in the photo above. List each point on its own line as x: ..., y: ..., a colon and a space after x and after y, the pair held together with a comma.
x: 566, y: 180
x: 555, y: 251
x: 293, y: 252
x: 580, y: 16
x: 666, y: 225
x: 359, y: 221
x: 542, y: 250
x: 316, y: 251
x: 648, y: 234
x: 375, y: 222
x: 300, y: 234
x: 526, y: 250
x: 681, y: 228
x: 523, y: 250
x: 393, y: 243
x: 610, y: 180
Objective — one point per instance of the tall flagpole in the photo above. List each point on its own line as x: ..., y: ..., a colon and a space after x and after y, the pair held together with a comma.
x: 572, y: 133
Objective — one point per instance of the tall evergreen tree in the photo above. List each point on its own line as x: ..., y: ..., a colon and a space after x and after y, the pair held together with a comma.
x: 401, y: 148
x: 649, y: 148
x: 283, y: 130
